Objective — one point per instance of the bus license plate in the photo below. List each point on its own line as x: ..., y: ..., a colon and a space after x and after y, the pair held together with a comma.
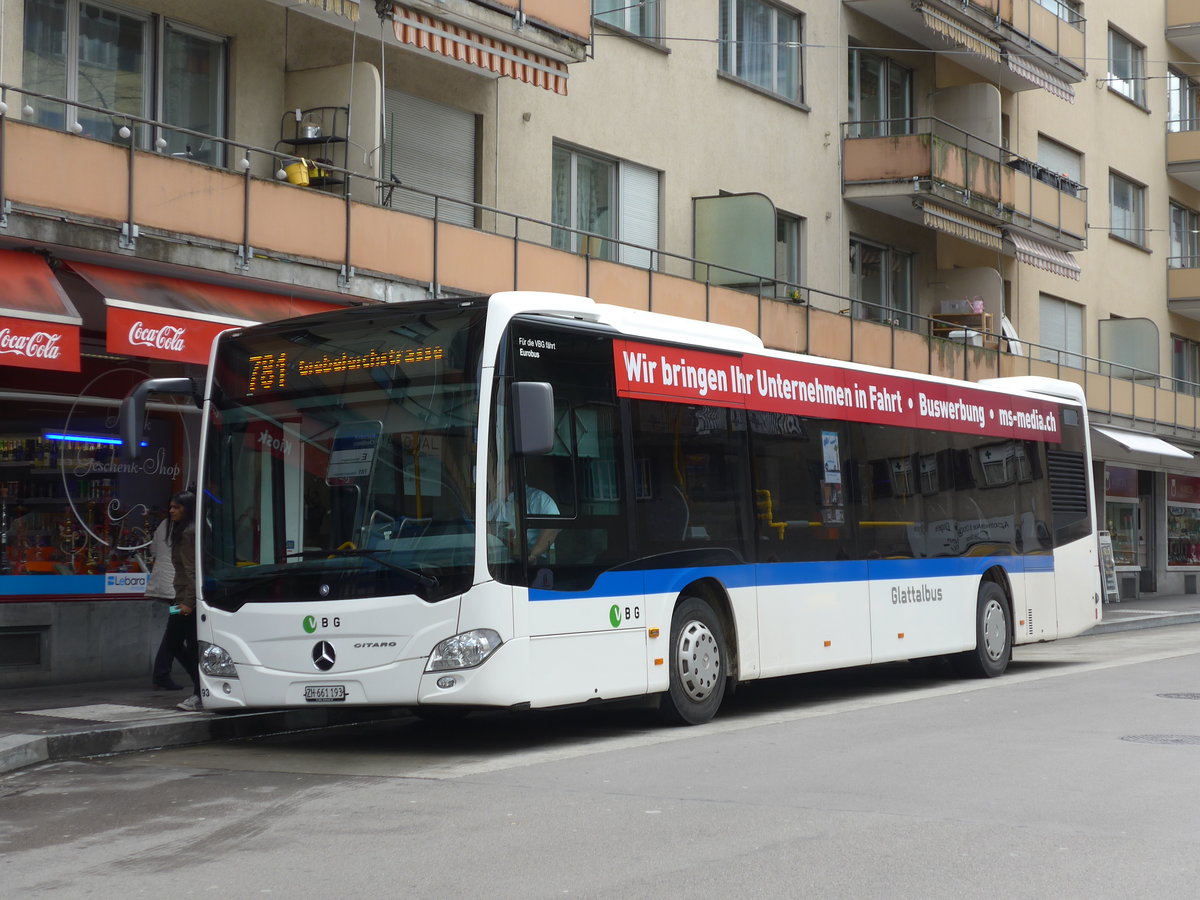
x: 324, y: 693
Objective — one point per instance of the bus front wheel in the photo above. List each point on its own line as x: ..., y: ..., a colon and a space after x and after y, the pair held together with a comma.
x: 993, y: 636
x: 697, y: 661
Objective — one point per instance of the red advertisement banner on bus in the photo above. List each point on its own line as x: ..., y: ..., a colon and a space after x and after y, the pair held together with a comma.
x: 653, y: 372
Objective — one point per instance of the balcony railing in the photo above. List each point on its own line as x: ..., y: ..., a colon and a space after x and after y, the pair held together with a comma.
x: 936, y: 157
x: 135, y: 195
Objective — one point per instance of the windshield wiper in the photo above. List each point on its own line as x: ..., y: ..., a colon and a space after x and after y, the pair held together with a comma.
x: 426, y: 581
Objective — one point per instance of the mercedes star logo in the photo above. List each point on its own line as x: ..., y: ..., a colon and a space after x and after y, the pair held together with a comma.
x: 323, y: 655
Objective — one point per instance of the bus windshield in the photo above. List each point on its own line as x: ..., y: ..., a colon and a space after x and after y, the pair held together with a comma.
x: 340, y: 457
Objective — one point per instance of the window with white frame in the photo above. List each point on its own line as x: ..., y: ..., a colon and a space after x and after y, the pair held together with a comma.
x: 124, y: 61
x: 601, y: 197
x: 881, y: 278
x: 1126, y: 67
x: 880, y: 101
x: 760, y: 44
x: 1185, y: 365
x: 1183, y: 108
x: 1061, y: 331
x: 1185, y: 238
x: 1061, y: 160
x: 640, y: 18
x: 1126, y: 209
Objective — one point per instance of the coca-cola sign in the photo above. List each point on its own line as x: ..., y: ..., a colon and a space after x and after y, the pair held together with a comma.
x: 38, y: 345
x: 164, y: 337
x: 152, y: 335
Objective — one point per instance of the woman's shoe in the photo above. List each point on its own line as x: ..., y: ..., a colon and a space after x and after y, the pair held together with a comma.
x: 167, y: 685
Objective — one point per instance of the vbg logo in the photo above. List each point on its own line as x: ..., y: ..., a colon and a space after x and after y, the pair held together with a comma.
x: 310, y: 624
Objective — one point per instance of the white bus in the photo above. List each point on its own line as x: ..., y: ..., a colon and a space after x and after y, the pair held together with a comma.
x: 531, y: 500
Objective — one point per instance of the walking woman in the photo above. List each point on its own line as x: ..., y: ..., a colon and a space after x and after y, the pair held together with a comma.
x: 182, y: 512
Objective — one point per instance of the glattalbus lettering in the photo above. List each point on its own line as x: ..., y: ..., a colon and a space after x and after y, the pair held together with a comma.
x: 916, y: 593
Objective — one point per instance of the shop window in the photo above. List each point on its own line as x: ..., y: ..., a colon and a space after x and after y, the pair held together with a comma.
x: 1183, y: 520
x: 1121, y: 513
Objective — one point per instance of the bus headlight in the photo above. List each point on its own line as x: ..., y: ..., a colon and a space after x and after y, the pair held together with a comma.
x: 216, y: 661
x: 464, y: 650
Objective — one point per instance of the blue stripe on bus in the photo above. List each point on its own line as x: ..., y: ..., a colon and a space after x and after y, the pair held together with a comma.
x: 633, y: 583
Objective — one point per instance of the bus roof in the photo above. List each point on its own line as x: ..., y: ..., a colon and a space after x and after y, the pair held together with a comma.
x: 716, y: 337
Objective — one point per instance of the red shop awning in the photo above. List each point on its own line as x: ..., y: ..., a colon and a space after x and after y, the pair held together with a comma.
x: 160, y: 317
x: 39, y: 328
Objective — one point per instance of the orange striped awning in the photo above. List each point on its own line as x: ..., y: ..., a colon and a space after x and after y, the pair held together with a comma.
x: 474, y: 49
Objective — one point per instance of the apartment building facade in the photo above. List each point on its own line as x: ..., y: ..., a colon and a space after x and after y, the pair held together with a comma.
x: 995, y: 187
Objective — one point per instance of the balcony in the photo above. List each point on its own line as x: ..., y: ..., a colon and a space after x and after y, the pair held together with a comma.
x: 1183, y: 151
x: 1183, y: 26
x: 96, y: 200
x: 1183, y: 286
x: 899, y: 167
x: 1020, y: 45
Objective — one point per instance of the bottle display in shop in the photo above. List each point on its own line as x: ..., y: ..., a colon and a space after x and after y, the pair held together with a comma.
x: 59, y: 513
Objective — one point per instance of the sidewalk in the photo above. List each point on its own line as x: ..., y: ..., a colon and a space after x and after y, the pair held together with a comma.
x: 46, y: 724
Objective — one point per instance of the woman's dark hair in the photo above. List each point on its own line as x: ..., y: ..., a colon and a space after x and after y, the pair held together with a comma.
x: 187, y: 500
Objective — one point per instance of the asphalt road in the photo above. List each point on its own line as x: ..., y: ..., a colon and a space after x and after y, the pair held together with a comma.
x: 1072, y: 776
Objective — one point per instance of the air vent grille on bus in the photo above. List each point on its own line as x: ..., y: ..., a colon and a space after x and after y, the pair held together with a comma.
x: 1068, y: 486
x: 1029, y: 619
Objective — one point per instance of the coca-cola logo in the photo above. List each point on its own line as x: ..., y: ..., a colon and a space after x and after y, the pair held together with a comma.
x: 38, y: 345
x: 165, y: 337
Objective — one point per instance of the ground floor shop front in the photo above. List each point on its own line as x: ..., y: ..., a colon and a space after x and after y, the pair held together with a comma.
x: 1149, y: 505
x: 77, y: 515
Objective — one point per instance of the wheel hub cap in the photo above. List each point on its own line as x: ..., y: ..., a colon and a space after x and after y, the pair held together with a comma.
x: 698, y: 660
x: 995, y: 631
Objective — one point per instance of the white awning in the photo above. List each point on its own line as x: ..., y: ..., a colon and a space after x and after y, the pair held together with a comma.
x: 1033, y: 252
x: 955, y: 31
x: 1043, y: 78
x: 1141, y: 443
x: 961, y: 225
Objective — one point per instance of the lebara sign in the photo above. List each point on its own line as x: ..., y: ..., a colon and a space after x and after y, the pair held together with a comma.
x: 151, y: 335
x: 36, y: 344
x: 803, y: 388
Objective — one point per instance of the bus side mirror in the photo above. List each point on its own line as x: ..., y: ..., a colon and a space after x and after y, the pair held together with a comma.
x: 132, y: 417
x: 533, y: 417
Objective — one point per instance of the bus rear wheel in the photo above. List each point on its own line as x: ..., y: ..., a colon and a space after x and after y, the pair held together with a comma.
x: 697, y: 659
x: 993, y: 636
